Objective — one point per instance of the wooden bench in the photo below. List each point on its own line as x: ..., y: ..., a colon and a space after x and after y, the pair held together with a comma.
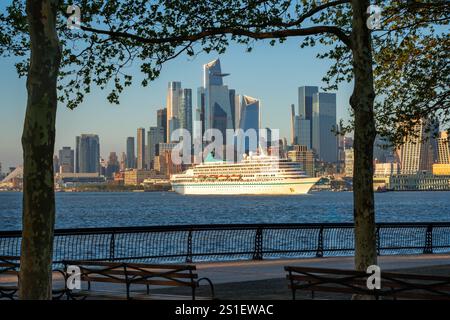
x: 393, y: 285
x: 9, y: 285
x: 128, y: 276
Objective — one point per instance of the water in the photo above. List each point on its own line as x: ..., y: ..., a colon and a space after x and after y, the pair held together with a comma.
x: 77, y: 210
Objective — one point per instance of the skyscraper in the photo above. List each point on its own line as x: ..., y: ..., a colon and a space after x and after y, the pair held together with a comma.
x: 218, y: 114
x: 293, y: 126
x: 66, y: 160
x: 250, y: 120
x: 89, y: 153
x: 232, y: 94
x: 305, y: 110
x: 179, y: 109
x: 131, y: 155
x: 113, y: 164
x: 185, y: 110
x: 77, y: 152
x: 174, y: 93
x: 324, y: 140
x: 155, y: 136
x: 443, y: 148
x: 416, y: 153
x: 303, y: 127
x: 162, y: 121
x: 140, y: 148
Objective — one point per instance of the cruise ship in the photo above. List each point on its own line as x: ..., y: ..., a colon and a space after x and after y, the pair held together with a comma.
x: 254, y: 175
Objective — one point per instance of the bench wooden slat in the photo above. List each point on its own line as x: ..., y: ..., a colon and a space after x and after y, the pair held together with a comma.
x: 131, y: 265
x: 145, y: 273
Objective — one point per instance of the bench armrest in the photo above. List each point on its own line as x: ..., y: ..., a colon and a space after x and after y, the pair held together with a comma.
x: 213, y: 296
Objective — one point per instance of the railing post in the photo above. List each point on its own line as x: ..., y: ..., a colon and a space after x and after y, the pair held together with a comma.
x: 257, y: 253
x: 378, y: 240
x: 112, y: 246
x: 319, y: 252
x: 428, y: 248
x: 189, y: 247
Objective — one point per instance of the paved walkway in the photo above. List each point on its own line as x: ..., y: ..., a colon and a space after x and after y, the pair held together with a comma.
x: 239, y: 271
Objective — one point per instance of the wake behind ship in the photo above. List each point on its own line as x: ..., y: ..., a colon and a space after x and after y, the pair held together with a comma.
x: 254, y: 175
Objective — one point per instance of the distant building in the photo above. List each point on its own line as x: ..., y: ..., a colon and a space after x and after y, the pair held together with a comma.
x: 324, y: 140
x: 123, y: 161
x: 421, y: 181
x: 161, y: 121
x: 77, y: 152
x: 77, y: 179
x: 154, y: 137
x: 137, y: 176
x: 161, y: 148
x: 66, y: 160
x: 185, y: 110
x: 174, y: 93
x: 55, y: 164
x: 416, y: 153
x: 113, y: 165
x: 216, y: 98
x: 140, y: 149
x: 441, y: 169
x: 293, y: 126
x: 387, y: 169
x: 305, y: 157
x: 164, y: 165
x: 305, y: 112
x: 13, y: 180
x: 88, y: 153
x: 250, y: 119
x: 443, y: 149
x: 349, y: 162
x: 131, y: 155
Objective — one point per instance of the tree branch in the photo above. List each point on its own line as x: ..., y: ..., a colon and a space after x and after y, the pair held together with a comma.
x: 229, y: 30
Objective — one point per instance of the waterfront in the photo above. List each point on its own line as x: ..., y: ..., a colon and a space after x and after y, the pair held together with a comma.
x: 83, y: 210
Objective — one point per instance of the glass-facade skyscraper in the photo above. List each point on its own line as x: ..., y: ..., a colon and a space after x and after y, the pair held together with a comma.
x: 217, y: 104
x: 88, y: 153
x: 155, y: 136
x: 131, y: 155
x: 324, y: 140
x: 250, y: 119
x: 179, y: 109
x: 305, y: 112
x: 162, y: 121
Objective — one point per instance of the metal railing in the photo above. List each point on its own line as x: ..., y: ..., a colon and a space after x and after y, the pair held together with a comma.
x: 195, y: 243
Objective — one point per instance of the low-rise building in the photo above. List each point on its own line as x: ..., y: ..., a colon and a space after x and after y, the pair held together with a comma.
x: 441, y: 169
x: 422, y: 181
x: 71, y: 179
x: 305, y: 157
x: 135, y: 177
x: 386, y: 169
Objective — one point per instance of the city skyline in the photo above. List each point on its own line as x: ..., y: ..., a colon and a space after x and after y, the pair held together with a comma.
x: 249, y: 74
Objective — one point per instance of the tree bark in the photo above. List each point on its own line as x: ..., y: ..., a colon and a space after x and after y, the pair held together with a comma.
x: 362, y: 101
x: 38, y: 141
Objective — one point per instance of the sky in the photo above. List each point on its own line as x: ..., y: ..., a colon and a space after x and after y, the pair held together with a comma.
x: 271, y: 74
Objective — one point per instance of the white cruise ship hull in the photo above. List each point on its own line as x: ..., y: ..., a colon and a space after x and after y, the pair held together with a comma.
x: 277, y: 187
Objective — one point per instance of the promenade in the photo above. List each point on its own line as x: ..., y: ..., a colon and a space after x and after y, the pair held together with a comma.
x: 266, y: 279
x: 238, y: 271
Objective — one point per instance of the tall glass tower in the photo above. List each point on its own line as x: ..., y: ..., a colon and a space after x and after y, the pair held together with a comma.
x: 324, y: 140
x: 250, y: 120
x: 218, y: 114
x: 88, y: 153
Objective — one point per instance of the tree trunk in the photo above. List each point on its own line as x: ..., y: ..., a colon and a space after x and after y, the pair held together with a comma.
x: 362, y: 101
x: 38, y: 141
